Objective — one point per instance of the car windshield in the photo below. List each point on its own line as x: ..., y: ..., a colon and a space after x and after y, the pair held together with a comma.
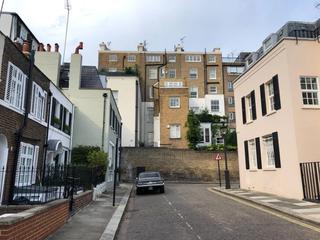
x: 149, y: 175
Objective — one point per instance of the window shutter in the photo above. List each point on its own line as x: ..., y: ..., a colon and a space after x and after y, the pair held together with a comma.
x: 246, y: 154
x: 9, y: 83
x: 258, y: 151
x: 35, y: 165
x: 243, y: 103
x: 253, y: 103
x: 276, y: 149
x: 70, y: 122
x: 61, y: 116
x: 277, y: 102
x: 53, y: 109
x: 263, y: 100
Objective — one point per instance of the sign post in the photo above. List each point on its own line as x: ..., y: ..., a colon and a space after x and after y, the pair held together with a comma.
x: 218, y: 158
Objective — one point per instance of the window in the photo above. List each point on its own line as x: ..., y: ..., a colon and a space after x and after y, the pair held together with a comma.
x: 193, y: 73
x: 231, y: 101
x: 175, y: 131
x: 231, y: 116
x: 230, y: 86
x: 204, y: 135
x: 193, y: 92
x: 153, y: 58
x: 252, y: 154
x: 171, y: 58
x: 27, y: 164
x: 38, y: 102
x: 150, y: 92
x: 249, y: 107
x: 173, y: 84
x: 193, y: 58
x: 174, y: 102
x: 113, y: 69
x: 309, y: 88
x: 270, y: 96
x: 153, y: 73
x: 195, y: 109
x: 213, y: 90
x: 234, y: 70
x: 172, y: 73
x: 219, y: 140
x: 212, y: 73
x: 131, y: 58
x: 23, y: 33
x: 211, y: 58
x: 269, y: 150
x: 15, y: 87
x: 215, y: 107
x: 113, y: 58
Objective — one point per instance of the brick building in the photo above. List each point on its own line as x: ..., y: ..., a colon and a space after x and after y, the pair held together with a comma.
x: 201, y: 77
x: 24, y: 94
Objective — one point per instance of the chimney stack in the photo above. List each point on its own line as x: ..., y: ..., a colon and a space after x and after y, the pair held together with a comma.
x: 26, y: 48
x: 103, y: 47
x: 56, y: 47
x: 178, y: 48
x: 78, y: 48
x: 48, y: 47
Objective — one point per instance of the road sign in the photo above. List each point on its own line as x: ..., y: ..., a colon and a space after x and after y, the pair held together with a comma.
x: 218, y: 157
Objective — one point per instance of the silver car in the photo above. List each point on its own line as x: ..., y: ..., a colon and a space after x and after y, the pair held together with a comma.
x: 149, y: 181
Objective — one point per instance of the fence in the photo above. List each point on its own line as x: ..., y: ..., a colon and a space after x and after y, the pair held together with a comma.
x: 33, y: 186
x: 310, y: 175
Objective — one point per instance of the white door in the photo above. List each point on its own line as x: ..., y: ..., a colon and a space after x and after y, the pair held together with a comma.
x: 3, y: 163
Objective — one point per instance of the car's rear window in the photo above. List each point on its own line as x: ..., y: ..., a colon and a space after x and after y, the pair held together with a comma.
x: 149, y: 175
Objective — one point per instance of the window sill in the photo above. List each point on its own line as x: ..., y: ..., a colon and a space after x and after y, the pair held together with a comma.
x: 249, y: 122
x: 174, y: 107
x: 253, y: 170
x: 271, y: 113
x: 311, y: 107
x: 270, y: 169
x: 175, y: 138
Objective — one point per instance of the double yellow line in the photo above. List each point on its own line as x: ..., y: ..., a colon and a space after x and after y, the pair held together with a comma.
x: 289, y: 219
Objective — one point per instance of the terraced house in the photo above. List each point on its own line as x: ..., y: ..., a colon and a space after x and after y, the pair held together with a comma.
x: 172, y: 83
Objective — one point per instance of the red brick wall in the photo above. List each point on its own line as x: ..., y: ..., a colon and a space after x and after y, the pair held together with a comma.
x: 42, y: 222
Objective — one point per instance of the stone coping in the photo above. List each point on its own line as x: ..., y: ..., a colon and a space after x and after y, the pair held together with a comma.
x: 12, y: 218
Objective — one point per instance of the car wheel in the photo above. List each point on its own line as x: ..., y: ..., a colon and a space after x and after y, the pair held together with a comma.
x: 162, y: 189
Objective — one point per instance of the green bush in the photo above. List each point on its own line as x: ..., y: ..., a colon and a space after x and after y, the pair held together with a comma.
x: 97, y: 158
x: 80, y: 154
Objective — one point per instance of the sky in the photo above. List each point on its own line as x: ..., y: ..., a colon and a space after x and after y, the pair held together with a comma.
x: 232, y: 25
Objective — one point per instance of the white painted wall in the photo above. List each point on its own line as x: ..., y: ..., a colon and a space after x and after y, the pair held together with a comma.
x: 156, y: 131
x: 205, y: 103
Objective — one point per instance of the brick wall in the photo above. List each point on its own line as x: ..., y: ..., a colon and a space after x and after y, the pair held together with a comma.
x: 177, y: 164
x: 39, y: 222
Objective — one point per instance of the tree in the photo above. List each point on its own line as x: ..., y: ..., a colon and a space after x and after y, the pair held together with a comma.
x: 80, y: 153
x: 193, y: 133
x: 97, y: 158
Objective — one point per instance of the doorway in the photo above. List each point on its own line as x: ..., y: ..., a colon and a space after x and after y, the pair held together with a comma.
x: 3, y: 163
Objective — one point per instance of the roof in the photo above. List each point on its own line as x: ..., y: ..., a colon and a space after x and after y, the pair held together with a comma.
x: 89, y: 77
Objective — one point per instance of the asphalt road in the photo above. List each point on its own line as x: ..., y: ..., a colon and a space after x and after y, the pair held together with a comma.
x: 190, y: 211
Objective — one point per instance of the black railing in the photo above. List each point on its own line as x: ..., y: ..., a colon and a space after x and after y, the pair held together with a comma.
x: 303, y: 33
x: 33, y: 186
x: 310, y: 176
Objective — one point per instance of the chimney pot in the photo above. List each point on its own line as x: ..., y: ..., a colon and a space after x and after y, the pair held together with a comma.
x: 26, y: 48
x: 56, y: 47
x: 48, y: 47
x: 41, y: 47
x: 78, y: 48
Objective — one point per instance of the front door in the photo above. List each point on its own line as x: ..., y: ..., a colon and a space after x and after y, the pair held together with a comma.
x: 3, y: 163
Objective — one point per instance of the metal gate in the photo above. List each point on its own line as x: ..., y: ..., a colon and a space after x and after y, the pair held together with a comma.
x: 310, y: 176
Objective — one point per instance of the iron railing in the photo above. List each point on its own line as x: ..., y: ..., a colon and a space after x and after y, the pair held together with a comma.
x: 33, y: 186
x: 310, y: 175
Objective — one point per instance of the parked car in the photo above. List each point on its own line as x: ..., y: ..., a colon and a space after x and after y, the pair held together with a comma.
x: 149, y: 181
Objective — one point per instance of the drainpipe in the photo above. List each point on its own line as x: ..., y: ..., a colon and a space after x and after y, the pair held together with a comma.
x: 105, y: 95
x: 19, y: 133
x: 45, y: 147
x: 205, y: 69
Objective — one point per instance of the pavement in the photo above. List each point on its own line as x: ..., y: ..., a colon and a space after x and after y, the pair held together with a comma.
x: 303, y: 210
x: 199, y: 212
x: 97, y: 221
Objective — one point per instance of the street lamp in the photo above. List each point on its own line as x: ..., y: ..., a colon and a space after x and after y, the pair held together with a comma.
x: 223, y: 131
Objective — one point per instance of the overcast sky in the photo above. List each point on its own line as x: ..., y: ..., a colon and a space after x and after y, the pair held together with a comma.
x: 232, y: 25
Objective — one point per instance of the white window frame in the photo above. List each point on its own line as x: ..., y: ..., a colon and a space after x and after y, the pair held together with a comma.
x: 172, y: 58
x: 38, y: 102
x: 113, y: 58
x: 168, y: 84
x: 249, y: 108
x: 309, y: 91
x: 213, y: 92
x: 252, y: 154
x: 231, y: 101
x: 212, y: 58
x: 15, y: 87
x: 153, y: 58
x: 215, y: 105
x: 172, y: 73
x: 231, y: 116
x: 112, y: 69
x: 174, y: 102
x: 193, y: 58
x: 213, y: 73
x: 153, y: 73
x: 193, y: 90
x: 175, y: 131
x: 151, y: 92
x: 235, y: 70
x: 193, y: 73
x: 270, y: 96
x: 132, y: 58
x: 269, y: 151
x: 230, y: 86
